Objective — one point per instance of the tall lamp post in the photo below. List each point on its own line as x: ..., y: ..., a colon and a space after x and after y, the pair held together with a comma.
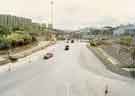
x: 52, y: 5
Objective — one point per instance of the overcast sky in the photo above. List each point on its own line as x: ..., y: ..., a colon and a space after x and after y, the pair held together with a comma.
x: 72, y: 14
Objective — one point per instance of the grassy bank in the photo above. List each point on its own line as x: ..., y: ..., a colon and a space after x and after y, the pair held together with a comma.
x: 109, y: 64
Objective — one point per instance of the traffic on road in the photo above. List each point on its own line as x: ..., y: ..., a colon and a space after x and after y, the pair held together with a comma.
x: 67, y: 48
x: 77, y: 72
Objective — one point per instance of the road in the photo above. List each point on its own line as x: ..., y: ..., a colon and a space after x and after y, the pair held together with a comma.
x: 76, y: 72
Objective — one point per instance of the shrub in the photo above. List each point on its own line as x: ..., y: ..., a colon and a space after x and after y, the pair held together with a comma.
x: 3, y: 43
x: 94, y: 43
x: 126, y: 40
x: 18, y: 39
x: 4, y: 30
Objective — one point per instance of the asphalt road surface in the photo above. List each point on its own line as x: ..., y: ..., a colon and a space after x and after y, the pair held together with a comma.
x: 76, y: 72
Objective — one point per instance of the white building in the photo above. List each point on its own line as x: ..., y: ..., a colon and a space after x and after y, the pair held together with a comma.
x: 9, y: 20
x: 124, y: 29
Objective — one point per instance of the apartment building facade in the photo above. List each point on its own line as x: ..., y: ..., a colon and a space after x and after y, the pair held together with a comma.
x: 10, y: 21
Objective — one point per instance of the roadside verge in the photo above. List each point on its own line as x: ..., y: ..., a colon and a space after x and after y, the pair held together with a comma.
x: 27, y: 52
x: 108, y: 61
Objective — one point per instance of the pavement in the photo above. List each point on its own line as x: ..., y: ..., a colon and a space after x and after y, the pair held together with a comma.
x: 77, y: 72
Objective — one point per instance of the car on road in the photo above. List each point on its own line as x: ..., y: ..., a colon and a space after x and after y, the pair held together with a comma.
x: 72, y: 41
x: 67, y: 47
x: 48, y: 55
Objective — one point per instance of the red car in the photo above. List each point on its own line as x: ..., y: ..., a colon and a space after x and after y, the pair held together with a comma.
x: 48, y: 55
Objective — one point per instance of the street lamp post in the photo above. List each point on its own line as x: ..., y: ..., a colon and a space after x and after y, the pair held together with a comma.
x: 52, y: 4
x: 8, y: 53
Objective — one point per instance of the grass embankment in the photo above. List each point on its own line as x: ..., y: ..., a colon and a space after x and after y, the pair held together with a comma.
x: 109, y: 64
x: 125, y: 40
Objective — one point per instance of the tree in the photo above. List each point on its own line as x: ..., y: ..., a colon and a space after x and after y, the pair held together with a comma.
x: 18, y: 39
x: 4, y: 30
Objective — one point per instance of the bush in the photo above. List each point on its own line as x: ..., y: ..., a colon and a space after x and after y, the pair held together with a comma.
x: 19, y: 39
x: 3, y: 43
x: 4, y: 30
x: 34, y: 39
x: 126, y: 40
x: 14, y: 39
x: 95, y: 43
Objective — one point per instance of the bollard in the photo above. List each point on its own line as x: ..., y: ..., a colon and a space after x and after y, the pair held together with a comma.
x: 106, y: 90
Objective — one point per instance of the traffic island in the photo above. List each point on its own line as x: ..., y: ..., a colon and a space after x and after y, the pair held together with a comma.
x: 109, y: 62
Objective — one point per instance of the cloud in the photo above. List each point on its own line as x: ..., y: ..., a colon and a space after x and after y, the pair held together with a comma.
x: 73, y: 13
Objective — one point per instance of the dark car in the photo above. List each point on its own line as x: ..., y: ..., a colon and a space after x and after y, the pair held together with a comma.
x: 67, y: 47
x: 48, y: 55
x: 72, y: 41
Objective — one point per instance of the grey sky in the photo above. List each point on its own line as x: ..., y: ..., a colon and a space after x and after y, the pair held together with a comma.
x: 72, y: 14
